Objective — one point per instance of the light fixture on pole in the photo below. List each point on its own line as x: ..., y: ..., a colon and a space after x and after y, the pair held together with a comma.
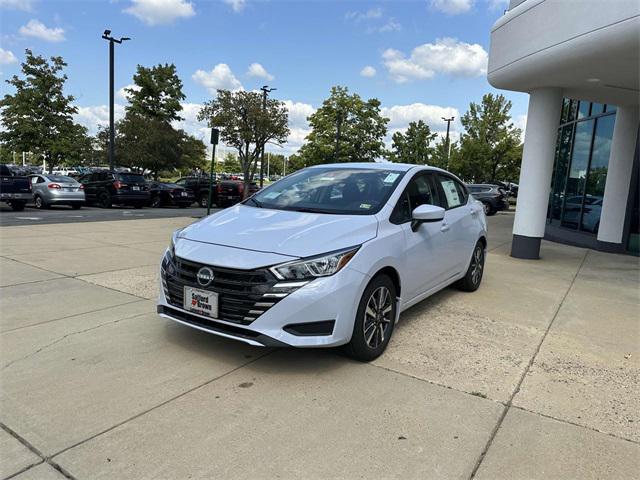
x: 265, y: 91
x: 448, y: 144
x: 107, y: 36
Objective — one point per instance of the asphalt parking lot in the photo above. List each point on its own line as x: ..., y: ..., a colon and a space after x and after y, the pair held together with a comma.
x: 535, y: 375
x: 64, y: 214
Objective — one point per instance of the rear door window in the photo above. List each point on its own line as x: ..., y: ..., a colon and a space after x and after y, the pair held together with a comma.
x: 130, y: 178
x: 454, y: 193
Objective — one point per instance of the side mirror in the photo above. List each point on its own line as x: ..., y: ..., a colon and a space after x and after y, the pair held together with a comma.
x: 426, y: 213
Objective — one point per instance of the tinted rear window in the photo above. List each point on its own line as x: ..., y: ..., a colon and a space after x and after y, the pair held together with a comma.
x: 130, y: 178
x: 61, y: 179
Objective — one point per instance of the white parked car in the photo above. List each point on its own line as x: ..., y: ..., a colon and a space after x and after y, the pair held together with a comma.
x: 327, y: 256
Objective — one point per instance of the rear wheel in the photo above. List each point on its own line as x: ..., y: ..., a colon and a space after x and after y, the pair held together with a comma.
x: 488, y: 209
x: 76, y: 206
x: 39, y: 202
x: 155, y: 201
x: 204, y: 200
x: 471, y: 281
x: 374, y: 321
x: 104, y: 200
x: 138, y: 205
x: 17, y: 206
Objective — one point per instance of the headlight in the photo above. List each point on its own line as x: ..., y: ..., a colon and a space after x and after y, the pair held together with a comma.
x: 321, y: 266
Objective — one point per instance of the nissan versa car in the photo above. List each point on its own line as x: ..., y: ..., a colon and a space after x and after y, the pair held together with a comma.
x: 327, y: 256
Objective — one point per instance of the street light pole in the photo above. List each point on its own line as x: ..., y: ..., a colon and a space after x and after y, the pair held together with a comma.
x: 112, y: 135
x: 215, y: 135
x: 265, y: 91
x: 448, y: 145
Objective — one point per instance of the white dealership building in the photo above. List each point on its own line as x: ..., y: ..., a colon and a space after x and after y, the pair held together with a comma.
x: 579, y: 62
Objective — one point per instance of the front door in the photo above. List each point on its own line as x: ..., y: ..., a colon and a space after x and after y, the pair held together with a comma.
x: 426, y: 264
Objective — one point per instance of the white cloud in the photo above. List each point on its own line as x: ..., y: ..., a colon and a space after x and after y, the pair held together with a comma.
x: 96, y: 116
x: 368, y: 71
x: 37, y: 29
x: 452, y: 7
x: 258, y: 71
x: 160, y: 12
x: 498, y: 4
x: 392, y: 25
x: 219, y: 78
x: 372, y: 13
x: 446, y: 55
x: 7, y: 57
x: 401, y: 115
x: 121, y: 93
x: 24, y: 5
x: 520, y: 121
x: 236, y: 5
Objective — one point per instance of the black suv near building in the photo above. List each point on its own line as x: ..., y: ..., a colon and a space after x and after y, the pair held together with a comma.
x: 107, y: 188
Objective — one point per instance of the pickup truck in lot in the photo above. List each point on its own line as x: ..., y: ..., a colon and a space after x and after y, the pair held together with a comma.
x: 230, y: 192
x: 14, y: 190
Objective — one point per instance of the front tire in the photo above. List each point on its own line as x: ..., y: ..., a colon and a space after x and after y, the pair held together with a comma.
x: 204, y: 200
x: 155, y: 202
x: 76, y: 206
x: 374, y: 321
x: 471, y: 281
x: 488, y: 209
x: 104, y: 200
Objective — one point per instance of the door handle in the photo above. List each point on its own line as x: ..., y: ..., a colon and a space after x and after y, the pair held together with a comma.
x: 444, y: 227
x: 474, y: 212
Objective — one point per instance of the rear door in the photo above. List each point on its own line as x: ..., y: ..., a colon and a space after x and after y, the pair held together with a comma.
x: 458, y: 221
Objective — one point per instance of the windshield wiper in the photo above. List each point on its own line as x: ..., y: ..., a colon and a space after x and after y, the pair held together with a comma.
x: 309, y: 210
x: 255, y: 202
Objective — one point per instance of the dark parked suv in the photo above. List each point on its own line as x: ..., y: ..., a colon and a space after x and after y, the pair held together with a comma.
x: 493, y: 197
x: 107, y: 188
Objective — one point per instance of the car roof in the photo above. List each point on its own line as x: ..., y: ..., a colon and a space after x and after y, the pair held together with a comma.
x: 401, y: 167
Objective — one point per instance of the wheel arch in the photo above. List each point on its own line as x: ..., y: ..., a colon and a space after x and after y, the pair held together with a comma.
x: 393, y: 274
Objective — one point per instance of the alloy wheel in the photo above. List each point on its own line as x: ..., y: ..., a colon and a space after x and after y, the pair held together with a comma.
x: 38, y: 202
x: 377, y: 317
x: 477, y: 265
x: 487, y: 208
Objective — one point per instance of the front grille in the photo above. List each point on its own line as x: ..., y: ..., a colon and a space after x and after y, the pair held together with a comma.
x: 241, y: 293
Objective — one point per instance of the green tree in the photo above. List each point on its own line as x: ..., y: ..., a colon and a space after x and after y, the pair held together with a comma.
x: 442, y: 156
x: 246, y: 126
x: 413, y: 146
x: 157, y: 93
x: 345, y: 129
x: 38, y: 117
x: 490, y: 147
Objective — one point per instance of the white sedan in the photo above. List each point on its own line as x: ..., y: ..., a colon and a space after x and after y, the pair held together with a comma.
x: 330, y: 255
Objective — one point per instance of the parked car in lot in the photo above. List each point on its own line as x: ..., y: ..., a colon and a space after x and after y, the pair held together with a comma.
x: 169, y: 194
x: 107, y: 188
x: 328, y: 256
x: 230, y: 192
x: 15, y: 190
x: 200, y: 188
x: 493, y: 197
x: 56, y: 190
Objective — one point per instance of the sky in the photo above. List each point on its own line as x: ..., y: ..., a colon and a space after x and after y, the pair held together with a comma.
x: 423, y: 59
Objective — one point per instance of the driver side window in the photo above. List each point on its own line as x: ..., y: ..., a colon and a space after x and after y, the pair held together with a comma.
x: 421, y: 190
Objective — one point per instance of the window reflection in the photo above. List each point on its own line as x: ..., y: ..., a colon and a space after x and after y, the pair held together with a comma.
x: 580, y: 165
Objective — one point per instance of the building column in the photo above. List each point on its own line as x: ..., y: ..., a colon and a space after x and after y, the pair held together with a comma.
x: 616, y: 189
x: 541, y: 134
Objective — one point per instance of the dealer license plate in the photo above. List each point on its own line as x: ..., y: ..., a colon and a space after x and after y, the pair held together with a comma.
x: 202, y: 302
x: 184, y: 194
x: 135, y: 189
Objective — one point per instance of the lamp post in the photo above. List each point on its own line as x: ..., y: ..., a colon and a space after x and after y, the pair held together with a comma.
x: 265, y: 91
x: 448, y: 145
x: 215, y: 135
x: 107, y: 36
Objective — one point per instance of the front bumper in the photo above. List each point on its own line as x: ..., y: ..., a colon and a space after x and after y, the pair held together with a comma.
x: 323, y: 300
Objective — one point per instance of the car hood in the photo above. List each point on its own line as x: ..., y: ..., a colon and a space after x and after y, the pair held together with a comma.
x: 297, y: 234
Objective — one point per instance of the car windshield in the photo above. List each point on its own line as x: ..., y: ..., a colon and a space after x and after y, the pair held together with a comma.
x: 61, y: 179
x: 346, y: 191
x: 130, y: 178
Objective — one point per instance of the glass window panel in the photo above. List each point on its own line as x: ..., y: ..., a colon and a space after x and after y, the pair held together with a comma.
x: 573, y: 111
x: 577, y: 175
x: 566, y: 104
x: 583, y: 109
x: 594, y: 189
x: 597, y: 108
x: 560, y: 171
x: 611, y: 108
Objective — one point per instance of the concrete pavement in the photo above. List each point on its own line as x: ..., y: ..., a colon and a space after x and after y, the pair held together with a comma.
x: 536, y: 375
